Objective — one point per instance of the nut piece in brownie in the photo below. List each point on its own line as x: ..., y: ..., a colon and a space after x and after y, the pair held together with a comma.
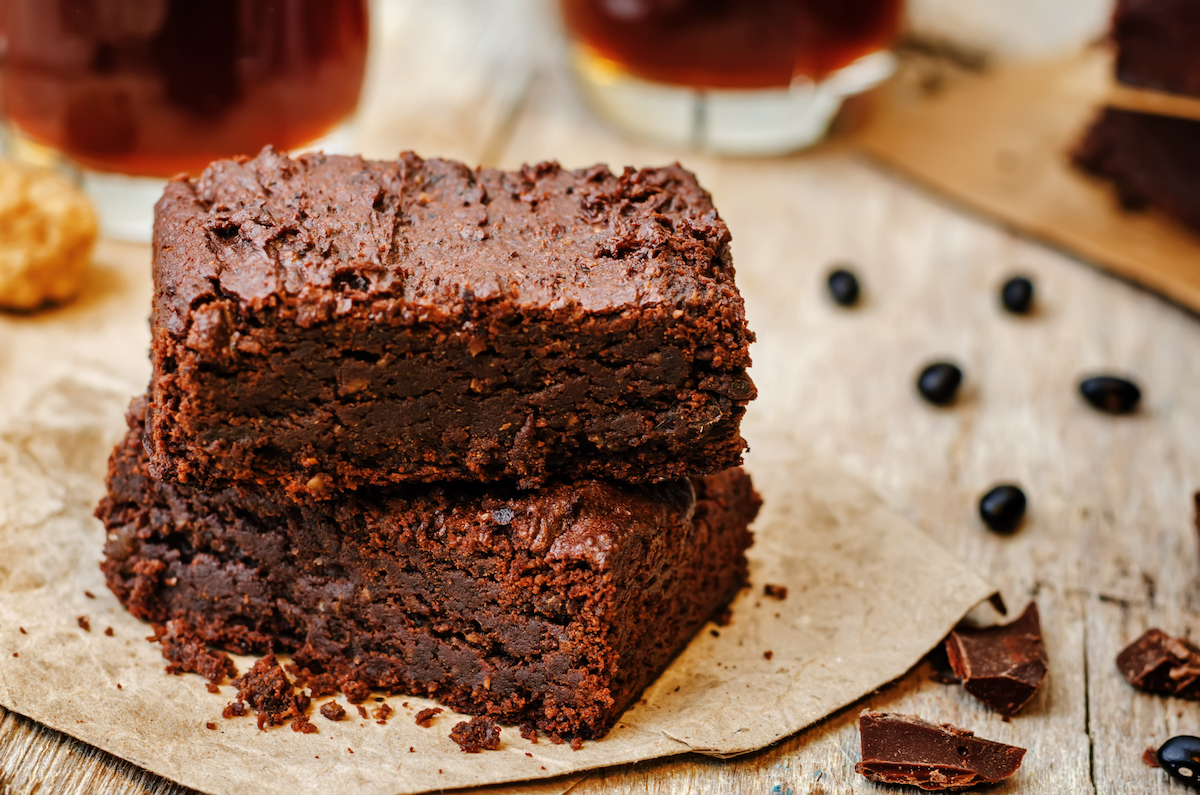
x: 1153, y: 161
x: 1156, y: 42
x: 554, y: 606
x: 329, y: 322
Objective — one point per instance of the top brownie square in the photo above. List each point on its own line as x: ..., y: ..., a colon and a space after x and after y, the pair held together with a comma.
x: 328, y: 322
x: 1158, y: 44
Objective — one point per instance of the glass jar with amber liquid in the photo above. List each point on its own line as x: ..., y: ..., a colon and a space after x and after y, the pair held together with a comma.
x: 734, y: 76
x: 126, y: 93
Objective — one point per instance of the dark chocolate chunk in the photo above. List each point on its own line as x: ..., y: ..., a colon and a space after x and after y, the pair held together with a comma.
x: 1159, y: 663
x: 479, y: 734
x: 1017, y: 295
x: 1110, y: 394
x: 1001, y: 666
x: 906, y: 749
x: 1180, y: 757
x: 1003, y: 508
x: 843, y: 287
x: 939, y: 382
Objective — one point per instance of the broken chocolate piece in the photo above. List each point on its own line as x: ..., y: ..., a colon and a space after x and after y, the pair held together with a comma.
x: 1159, y: 663
x: 906, y: 749
x: 479, y: 734
x: 1002, y: 666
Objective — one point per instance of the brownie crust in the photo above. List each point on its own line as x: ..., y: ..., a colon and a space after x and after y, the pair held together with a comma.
x: 329, y: 322
x: 554, y: 606
x: 1152, y: 161
x: 1156, y: 42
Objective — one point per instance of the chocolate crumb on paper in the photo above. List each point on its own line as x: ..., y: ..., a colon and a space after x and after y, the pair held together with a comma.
x: 1159, y: 663
x: 1002, y: 666
x: 84, y: 624
x: 425, y: 717
x: 775, y: 591
x: 89, y: 594
x: 906, y: 749
x: 479, y: 734
x: 362, y: 711
x: 108, y: 631
x: 332, y: 710
x: 381, y: 714
x: 186, y: 652
x: 210, y: 725
x: 529, y: 731
x: 270, y: 693
x: 1150, y: 756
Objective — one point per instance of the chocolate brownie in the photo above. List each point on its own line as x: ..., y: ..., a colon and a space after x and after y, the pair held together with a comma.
x: 555, y: 606
x: 329, y: 322
x: 1156, y: 42
x: 1153, y: 161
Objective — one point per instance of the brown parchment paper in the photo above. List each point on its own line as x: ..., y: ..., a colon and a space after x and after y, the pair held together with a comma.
x: 869, y: 594
x: 1000, y: 143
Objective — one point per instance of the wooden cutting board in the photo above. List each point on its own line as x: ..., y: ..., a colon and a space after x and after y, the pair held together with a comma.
x: 1000, y: 143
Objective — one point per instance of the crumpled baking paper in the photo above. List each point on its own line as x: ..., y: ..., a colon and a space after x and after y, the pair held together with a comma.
x: 868, y: 596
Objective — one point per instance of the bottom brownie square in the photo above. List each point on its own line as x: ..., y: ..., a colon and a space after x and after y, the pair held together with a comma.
x: 554, y: 607
x: 1152, y: 161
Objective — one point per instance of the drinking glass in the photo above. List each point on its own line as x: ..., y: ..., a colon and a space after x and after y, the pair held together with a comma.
x: 749, y: 77
x: 126, y: 93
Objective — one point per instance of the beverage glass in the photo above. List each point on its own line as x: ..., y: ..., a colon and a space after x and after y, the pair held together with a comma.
x: 750, y: 77
x: 126, y: 93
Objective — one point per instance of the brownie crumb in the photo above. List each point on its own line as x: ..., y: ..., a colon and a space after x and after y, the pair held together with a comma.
x: 23, y: 632
x: 529, y: 755
x: 714, y: 633
x: 107, y: 631
x: 89, y: 594
x: 302, y: 724
x: 234, y: 709
x: 556, y: 738
x: 355, y: 691
x: 15, y: 654
x: 212, y: 688
x: 528, y: 731
x: 270, y: 693
x: 186, y: 652
x: 576, y: 743
x: 362, y: 711
x: 84, y: 624
x: 425, y: 716
x: 412, y: 750
x: 1150, y: 756
x: 768, y: 654
x: 775, y: 591
x: 332, y: 710
x: 210, y: 725
x: 381, y: 714
x: 351, y: 750
x: 119, y: 686
x: 479, y: 734
x: 404, y: 704
x: 724, y: 618
x: 319, y: 684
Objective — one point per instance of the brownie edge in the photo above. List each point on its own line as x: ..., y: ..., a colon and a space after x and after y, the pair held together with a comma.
x: 330, y: 322
x: 554, y: 606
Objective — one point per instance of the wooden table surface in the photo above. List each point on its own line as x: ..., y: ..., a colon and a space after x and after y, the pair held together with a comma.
x: 1109, y: 547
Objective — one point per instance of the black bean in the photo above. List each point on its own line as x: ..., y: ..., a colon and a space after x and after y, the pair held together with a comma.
x: 1017, y: 295
x: 843, y: 286
x: 1110, y: 394
x: 1002, y: 508
x: 1180, y: 757
x: 938, y: 383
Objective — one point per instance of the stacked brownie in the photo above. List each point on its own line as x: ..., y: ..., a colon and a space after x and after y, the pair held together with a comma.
x: 465, y: 434
x: 1152, y: 160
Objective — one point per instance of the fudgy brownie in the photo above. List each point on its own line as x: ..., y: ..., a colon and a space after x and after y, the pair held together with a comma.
x: 1156, y: 42
x: 555, y: 606
x: 328, y: 322
x: 1153, y: 161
